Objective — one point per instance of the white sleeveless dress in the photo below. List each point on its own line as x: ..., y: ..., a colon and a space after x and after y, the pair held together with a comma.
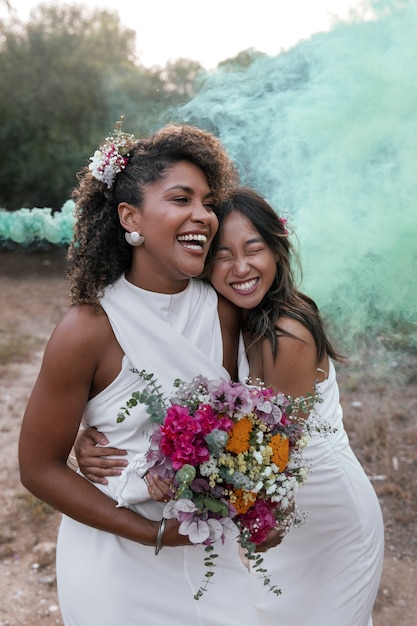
x: 110, y: 581
x: 328, y: 569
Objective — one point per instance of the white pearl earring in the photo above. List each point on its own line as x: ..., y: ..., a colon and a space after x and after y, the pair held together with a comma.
x: 134, y: 238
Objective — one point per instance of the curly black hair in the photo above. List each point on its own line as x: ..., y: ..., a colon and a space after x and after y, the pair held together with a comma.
x: 98, y: 253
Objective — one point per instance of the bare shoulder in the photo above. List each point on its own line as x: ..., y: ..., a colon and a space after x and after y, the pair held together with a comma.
x: 84, y: 315
x: 296, y: 329
x: 294, y: 369
x: 81, y: 326
x: 295, y: 348
x: 81, y: 357
x: 79, y: 339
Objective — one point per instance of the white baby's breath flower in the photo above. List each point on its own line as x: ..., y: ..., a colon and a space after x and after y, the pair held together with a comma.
x: 303, y: 474
x: 285, y: 502
x: 257, y: 455
x: 259, y: 436
x: 288, y: 483
x: 303, y: 441
x: 258, y: 486
x: 208, y: 467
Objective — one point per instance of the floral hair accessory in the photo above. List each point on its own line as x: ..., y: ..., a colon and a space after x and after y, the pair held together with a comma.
x: 112, y: 156
x: 284, y: 222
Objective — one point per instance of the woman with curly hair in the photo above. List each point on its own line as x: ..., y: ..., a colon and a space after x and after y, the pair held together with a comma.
x: 146, y: 215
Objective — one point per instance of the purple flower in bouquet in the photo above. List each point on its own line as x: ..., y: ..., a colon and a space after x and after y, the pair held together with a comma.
x: 229, y: 398
x: 270, y: 407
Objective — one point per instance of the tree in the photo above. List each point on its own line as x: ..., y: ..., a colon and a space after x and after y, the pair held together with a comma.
x: 65, y: 78
x: 148, y: 97
x: 53, y: 99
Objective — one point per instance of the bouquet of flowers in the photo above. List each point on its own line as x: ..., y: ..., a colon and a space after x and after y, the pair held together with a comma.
x: 233, y: 455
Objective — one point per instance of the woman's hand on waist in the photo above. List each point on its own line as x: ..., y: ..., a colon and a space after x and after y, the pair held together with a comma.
x: 94, y: 459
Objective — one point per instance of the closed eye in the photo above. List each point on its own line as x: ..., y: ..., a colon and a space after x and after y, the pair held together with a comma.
x: 227, y: 256
x: 254, y: 251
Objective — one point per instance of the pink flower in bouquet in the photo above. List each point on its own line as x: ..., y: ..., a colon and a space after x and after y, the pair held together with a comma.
x: 190, y: 447
x: 209, y: 420
x: 259, y: 520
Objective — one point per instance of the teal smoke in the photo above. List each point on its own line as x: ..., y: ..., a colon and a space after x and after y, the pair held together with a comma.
x: 28, y: 226
x: 327, y: 132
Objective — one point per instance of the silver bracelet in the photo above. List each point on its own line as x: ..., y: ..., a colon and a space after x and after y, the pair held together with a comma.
x: 159, y: 536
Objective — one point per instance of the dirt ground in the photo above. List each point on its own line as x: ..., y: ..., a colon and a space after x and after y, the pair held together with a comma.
x: 380, y: 419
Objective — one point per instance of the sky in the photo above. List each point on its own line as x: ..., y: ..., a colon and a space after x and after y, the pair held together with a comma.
x: 217, y: 30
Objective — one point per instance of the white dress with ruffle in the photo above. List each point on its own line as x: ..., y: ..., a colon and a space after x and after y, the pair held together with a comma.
x: 105, y: 579
x: 329, y: 568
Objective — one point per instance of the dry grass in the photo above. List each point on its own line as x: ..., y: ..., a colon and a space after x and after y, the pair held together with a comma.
x: 380, y: 417
x: 33, y: 509
x: 15, y: 347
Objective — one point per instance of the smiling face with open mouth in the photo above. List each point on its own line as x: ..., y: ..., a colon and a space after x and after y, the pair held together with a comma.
x: 178, y: 224
x: 244, y: 267
x: 193, y: 242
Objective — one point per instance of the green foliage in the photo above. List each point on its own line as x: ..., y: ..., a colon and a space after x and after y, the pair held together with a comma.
x: 66, y: 76
x: 256, y: 560
x: 242, y: 60
x: 207, y: 501
x: 151, y: 396
x: 303, y: 404
x: 209, y: 562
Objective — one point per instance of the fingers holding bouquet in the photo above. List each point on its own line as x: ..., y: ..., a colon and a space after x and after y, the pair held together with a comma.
x: 159, y: 489
x: 284, y: 519
x: 273, y: 539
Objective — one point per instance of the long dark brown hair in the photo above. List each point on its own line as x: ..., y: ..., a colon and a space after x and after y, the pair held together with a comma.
x: 283, y: 299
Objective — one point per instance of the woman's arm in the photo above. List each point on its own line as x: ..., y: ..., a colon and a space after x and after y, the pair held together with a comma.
x: 295, y: 371
x: 50, y: 424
